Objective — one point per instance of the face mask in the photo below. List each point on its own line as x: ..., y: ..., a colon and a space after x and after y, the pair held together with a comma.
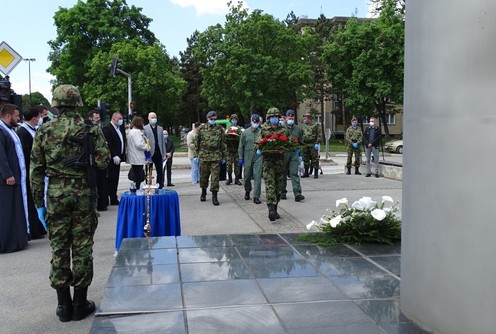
x: 166, y: 136
x: 40, y: 121
x: 153, y: 121
x: 211, y: 122
x: 281, y: 123
x: 120, y: 122
x: 305, y: 121
x: 290, y: 122
x: 372, y: 123
x: 254, y: 125
x: 354, y: 123
x: 274, y: 120
x: 234, y: 121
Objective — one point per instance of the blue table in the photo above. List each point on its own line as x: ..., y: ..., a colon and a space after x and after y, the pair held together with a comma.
x: 164, y: 215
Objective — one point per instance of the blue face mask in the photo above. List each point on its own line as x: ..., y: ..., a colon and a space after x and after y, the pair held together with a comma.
x: 281, y: 123
x: 234, y: 121
x: 153, y: 121
x: 290, y: 121
x: 166, y: 136
x: 274, y: 120
x: 211, y: 122
x: 254, y: 125
x: 120, y: 122
x: 354, y: 123
x: 305, y: 121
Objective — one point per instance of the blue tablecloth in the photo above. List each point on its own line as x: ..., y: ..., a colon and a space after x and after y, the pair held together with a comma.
x: 164, y: 215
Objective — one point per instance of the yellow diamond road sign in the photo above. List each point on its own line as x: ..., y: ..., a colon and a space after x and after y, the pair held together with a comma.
x: 8, y: 58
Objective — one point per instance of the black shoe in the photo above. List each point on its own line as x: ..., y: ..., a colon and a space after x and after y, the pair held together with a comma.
x: 256, y: 200
x: 368, y: 175
x: 247, y: 195
x: 357, y: 171
x: 283, y: 196
x: 114, y: 202
x: 237, y: 182
x: 170, y: 185
x: 377, y: 175
x: 299, y: 198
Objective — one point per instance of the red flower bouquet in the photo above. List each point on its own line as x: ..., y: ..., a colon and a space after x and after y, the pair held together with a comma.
x: 277, y: 144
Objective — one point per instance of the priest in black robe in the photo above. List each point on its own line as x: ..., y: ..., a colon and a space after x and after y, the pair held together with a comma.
x: 14, y: 227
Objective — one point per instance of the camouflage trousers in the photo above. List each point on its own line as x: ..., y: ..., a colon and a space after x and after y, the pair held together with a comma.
x: 350, y: 152
x: 210, y: 169
x: 273, y: 175
x: 232, y: 159
x: 310, y: 157
x: 291, y: 162
x: 71, y: 222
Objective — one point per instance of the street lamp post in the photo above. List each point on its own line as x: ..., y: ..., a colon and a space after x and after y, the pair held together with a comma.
x: 29, y: 60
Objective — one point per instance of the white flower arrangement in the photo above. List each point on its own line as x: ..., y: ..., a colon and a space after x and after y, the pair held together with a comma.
x: 363, y: 221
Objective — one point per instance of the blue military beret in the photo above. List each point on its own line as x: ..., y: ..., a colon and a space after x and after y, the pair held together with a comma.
x: 290, y: 112
x: 255, y: 118
x: 211, y: 114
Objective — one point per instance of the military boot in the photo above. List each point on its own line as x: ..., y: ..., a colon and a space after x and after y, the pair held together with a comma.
x: 316, y: 173
x: 272, y: 212
x: 64, y: 307
x: 247, y: 195
x: 256, y: 200
x: 306, y: 173
x: 348, y: 170
x: 81, y: 307
x: 237, y: 182
x: 357, y: 171
x: 215, y: 201
x: 229, y: 179
x: 275, y: 209
x: 203, y: 196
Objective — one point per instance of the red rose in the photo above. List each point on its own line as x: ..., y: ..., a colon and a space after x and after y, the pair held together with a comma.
x: 283, y: 138
x: 296, y: 140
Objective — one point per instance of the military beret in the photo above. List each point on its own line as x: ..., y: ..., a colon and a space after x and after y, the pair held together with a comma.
x: 255, y: 118
x: 290, y: 112
x: 211, y: 114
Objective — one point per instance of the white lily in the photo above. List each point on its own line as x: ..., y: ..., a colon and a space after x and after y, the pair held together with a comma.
x: 342, y: 201
x: 364, y: 204
x: 387, y: 199
x: 378, y: 214
x: 323, y: 221
x: 335, y: 221
x: 312, y: 223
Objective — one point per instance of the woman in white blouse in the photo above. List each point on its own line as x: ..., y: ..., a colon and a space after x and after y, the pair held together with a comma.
x: 136, y: 147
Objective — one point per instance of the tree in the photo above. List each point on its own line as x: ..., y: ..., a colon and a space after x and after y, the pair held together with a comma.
x: 253, y: 62
x: 90, y: 27
x: 36, y: 99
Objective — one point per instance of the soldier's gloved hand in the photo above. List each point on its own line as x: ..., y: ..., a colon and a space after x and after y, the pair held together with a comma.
x: 196, y: 160
x: 223, y: 161
x: 41, y: 216
x: 259, y: 153
x: 240, y: 162
x: 316, y: 147
x: 297, y: 151
x: 117, y: 160
x: 355, y: 145
x: 300, y: 159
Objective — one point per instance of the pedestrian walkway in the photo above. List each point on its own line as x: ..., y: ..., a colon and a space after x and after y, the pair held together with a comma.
x: 28, y: 302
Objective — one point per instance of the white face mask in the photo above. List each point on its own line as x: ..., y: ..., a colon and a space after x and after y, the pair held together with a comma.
x: 40, y: 121
x: 372, y: 123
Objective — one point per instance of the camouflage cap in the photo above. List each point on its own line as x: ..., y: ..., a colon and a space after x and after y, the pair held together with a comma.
x: 273, y: 112
x: 234, y: 116
x: 211, y: 114
x: 66, y: 96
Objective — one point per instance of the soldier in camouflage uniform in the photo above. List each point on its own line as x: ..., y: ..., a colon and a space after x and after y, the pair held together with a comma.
x: 233, y: 134
x: 273, y: 166
x: 353, y: 139
x: 252, y: 163
x: 71, y: 216
x: 292, y: 159
x: 311, y: 138
x: 211, y: 150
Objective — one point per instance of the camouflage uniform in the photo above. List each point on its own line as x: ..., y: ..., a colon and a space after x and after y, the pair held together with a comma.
x: 273, y: 167
x: 353, y: 135
x: 291, y: 163
x: 71, y: 207
x: 233, y: 134
x: 210, y: 149
x: 311, y: 136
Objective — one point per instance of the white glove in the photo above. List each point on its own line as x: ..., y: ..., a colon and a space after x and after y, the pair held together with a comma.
x: 117, y: 160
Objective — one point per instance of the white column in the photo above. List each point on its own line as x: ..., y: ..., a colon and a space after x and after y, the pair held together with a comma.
x: 448, y: 262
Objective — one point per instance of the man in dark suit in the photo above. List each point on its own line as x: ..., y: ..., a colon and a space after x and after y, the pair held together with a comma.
x: 169, y: 148
x: 33, y: 118
x: 101, y: 174
x: 153, y: 132
x: 116, y: 140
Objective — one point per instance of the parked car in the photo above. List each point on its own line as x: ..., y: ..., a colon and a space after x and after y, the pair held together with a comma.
x: 394, y: 146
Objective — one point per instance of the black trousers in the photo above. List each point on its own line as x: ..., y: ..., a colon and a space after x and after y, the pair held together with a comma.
x: 139, y: 173
x: 113, y: 172
x: 168, y: 168
x: 157, y: 161
x: 102, y: 191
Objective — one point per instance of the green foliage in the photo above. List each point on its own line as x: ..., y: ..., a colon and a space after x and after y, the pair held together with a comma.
x: 36, y: 99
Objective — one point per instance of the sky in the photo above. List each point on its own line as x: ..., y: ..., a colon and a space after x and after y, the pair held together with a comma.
x: 30, y: 26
